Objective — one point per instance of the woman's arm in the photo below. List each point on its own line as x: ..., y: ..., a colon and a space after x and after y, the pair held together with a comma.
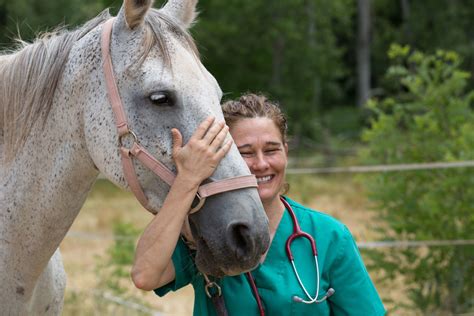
x: 355, y: 293
x: 195, y: 162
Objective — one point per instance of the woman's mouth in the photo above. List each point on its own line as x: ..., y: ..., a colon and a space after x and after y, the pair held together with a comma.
x: 264, y: 179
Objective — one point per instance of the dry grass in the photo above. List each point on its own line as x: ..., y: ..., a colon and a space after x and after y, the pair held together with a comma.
x: 81, y: 256
x: 338, y: 196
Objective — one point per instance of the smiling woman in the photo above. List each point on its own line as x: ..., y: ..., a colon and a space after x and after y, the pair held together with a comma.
x: 293, y: 277
x: 265, y: 154
x: 262, y: 144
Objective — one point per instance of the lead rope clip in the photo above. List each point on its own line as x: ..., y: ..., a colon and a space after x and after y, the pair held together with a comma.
x: 210, y: 284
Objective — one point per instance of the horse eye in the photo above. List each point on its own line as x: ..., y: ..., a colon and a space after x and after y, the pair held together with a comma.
x: 160, y: 99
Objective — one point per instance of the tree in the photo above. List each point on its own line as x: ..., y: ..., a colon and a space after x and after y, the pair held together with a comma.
x: 27, y: 18
x: 424, y: 25
x: 287, y: 49
x: 363, y: 52
x: 427, y: 116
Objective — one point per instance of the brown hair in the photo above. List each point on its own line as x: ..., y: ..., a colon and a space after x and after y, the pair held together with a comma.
x: 252, y: 105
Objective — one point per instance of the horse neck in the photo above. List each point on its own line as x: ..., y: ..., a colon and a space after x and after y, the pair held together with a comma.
x: 44, y: 187
x: 54, y: 166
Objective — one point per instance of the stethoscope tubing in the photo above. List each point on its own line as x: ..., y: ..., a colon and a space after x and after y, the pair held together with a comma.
x: 311, y: 299
x: 297, y: 233
x: 255, y: 293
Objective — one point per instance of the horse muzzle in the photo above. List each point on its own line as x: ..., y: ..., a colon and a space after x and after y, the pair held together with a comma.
x: 230, y: 232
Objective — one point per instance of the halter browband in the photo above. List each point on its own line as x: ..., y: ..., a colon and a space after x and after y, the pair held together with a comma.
x: 141, y: 154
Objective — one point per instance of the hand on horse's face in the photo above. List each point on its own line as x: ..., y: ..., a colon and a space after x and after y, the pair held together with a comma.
x: 199, y: 158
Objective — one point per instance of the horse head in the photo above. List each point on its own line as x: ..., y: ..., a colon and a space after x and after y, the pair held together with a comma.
x: 163, y: 85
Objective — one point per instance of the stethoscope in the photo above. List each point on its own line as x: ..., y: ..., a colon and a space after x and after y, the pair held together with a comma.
x: 297, y: 233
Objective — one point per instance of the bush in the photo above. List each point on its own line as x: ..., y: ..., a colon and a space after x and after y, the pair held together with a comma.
x: 113, y: 271
x: 428, y: 117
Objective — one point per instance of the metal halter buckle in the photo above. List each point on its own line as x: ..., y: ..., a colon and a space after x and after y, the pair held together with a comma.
x: 130, y: 132
x: 212, y: 284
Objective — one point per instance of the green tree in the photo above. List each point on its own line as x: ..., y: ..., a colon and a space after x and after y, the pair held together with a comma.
x: 27, y: 18
x: 287, y: 49
x: 428, y: 117
x: 424, y: 25
x: 300, y: 52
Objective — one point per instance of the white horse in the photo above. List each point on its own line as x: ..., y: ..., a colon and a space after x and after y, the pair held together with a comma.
x: 57, y: 132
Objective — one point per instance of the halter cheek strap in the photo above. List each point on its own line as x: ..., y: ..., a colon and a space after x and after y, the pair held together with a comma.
x: 141, y: 154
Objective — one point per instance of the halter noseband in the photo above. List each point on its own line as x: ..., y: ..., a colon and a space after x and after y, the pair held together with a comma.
x: 141, y: 154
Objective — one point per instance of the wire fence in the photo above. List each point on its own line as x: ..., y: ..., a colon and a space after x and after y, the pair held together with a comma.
x: 354, y: 169
x: 103, y: 295
x: 360, y: 244
x: 384, y: 168
x: 134, y: 307
x: 379, y: 168
x: 111, y: 298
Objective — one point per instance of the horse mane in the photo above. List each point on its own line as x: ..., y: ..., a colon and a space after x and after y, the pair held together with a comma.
x: 29, y: 75
x: 28, y: 81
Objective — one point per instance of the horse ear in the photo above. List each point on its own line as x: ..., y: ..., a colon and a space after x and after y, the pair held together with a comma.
x: 183, y: 11
x: 134, y: 11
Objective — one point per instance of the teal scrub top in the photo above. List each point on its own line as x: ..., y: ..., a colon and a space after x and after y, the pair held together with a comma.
x: 340, y: 267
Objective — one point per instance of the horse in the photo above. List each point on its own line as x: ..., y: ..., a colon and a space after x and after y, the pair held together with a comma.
x: 58, y: 133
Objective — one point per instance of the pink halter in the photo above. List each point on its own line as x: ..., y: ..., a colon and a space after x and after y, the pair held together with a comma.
x: 142, y: 154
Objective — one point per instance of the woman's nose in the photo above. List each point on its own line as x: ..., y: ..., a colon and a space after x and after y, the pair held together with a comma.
x: 260, y: 162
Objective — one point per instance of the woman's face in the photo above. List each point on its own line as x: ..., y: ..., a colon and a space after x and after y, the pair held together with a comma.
x: 261, y: 145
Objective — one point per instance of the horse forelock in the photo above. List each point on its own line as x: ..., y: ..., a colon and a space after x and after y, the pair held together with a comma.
x: 158, y: 24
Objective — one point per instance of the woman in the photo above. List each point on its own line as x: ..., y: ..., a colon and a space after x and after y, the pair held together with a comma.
x: 259, y: 129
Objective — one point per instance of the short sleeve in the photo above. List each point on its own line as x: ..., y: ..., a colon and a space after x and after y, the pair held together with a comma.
x: 355, y: 294
x: 185, y: 269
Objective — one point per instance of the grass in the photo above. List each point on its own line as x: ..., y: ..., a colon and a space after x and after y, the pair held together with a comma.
x: 106, y: 205
x: 337, y: 195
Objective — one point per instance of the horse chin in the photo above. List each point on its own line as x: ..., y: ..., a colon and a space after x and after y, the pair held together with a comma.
x: 207, y: 267
x: 211, y: 271
x: 206, y: 263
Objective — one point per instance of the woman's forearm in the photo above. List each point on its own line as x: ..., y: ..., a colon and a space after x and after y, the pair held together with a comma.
x: 195, y: 162
x: 156, y: 245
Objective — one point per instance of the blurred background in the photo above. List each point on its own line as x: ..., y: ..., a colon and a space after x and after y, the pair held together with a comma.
x: 380, y: 100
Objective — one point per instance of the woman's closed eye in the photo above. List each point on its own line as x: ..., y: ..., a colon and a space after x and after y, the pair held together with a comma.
x: 272, y: 151
x: 246, y: 154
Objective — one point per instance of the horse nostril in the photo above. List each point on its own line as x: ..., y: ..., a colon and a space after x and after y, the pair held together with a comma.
x: 239, y: 239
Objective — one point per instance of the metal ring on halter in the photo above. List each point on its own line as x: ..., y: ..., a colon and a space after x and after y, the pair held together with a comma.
x: 199, y: 205
x: 130, y: 132
x: 212, y: 284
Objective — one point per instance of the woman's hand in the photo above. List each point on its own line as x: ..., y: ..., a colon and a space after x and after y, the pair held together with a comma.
x: 195, y: 161
x: 199, y: 158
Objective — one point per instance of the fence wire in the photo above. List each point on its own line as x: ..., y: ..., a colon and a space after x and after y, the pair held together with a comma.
x: 360, y: 244
x: 106, y: 296
x: 384, y: 168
